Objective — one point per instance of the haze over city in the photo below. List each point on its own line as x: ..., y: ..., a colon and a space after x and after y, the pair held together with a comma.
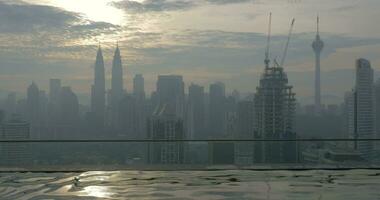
x: 204, y: 41
x: 189, y: 99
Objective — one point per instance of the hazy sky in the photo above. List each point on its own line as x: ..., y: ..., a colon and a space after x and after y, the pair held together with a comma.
x: 203, y: 40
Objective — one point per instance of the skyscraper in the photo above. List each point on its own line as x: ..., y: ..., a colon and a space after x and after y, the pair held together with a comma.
x: 98, y: 92
x: 54, y: 90
x: 217, y: 110
x: 349, y: 114
x: 167, y: 121
x: 128, y: 124
x: 170, y: 90
x: 54, y: 106
x: 377, y: 103
x: 2, y: 117
x: 43, y: 114
x: 33, y: 109
x: 141, y: 106
x: 17, y: 153
x: 231, y: 118
x: 138, y: 86
x: 164, y: 124
x: 362, y: 121
x: 245, y: 113
x: 274, y: 106
x: 317, y: 47
x: 68, y: 114
x: 244, y: 150
x: 196, y: 112
x: 10, y: 104
x: 116, y: 87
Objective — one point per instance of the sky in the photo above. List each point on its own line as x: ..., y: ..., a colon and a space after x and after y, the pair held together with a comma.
x: 203, y: 40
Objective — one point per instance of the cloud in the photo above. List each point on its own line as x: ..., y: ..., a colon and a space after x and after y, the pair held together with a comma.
x: 16, y: 18
x: 46, y: 23
x: 169, y: 5
x: 222, y: 2
x: 154, y: 5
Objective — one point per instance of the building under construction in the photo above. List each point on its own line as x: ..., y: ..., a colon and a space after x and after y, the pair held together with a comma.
x: 275, y: 114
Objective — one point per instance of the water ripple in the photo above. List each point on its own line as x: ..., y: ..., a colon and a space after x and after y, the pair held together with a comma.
x: 228, y: 184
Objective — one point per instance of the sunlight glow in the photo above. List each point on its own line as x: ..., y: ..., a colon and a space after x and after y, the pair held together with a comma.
x: 97, y: 191
x: 95, y: 10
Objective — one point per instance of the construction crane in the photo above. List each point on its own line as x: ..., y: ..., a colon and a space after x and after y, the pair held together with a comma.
x: 287, y: 43
x: 267, y: 60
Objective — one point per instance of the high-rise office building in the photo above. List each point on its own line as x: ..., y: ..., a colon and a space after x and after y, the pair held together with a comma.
x: 349, y: 114
x: 245, y: 112
x: 10, y: 104
x: 170, y: 91
x: 217, y: 101
x: 141, y: 105
x: 54, y: 106
x: 128, y: 125
x: 244, y: 150
x: 33, y: 109
x: 15, y: 153
x: 43, y: 114
x: 196, y: 112
x: 117, y: 88
x: 317, y: 47
x: 231, y: 118
x: 164, y: 124
x: 54, y: 90
x: 167, y: 121
x: 362, y: 109
x: 274, y: 117
x: 68, y: 114
x: 98, y: 92
x: 377, y: 114
x: 2, y: 117
x: 138, y: 87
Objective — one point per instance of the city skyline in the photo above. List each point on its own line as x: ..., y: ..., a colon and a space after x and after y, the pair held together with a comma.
x: 86, y: 101
x: 108, y: 83
x: 189, y: 99
x: 175, y: 109
x: 161, y: 45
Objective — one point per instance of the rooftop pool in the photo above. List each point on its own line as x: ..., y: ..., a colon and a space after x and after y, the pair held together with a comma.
x: 219, y: 184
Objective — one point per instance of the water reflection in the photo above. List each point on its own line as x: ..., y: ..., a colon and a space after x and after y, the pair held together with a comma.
x: 224, y: 184
x: 97, y: 191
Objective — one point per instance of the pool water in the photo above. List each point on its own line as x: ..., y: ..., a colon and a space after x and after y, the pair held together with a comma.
x: 224, y: 184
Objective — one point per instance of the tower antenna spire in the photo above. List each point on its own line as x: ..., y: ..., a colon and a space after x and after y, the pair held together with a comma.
x: 317, y: 46
x: 318, y: 24
x: 267, y: 61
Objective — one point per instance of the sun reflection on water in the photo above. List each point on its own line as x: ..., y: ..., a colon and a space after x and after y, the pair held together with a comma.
x: 97, y: 191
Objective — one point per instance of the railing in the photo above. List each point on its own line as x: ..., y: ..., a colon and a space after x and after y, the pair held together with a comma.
x: 124, y: 154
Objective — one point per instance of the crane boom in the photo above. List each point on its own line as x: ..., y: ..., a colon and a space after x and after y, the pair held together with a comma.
x: 267, y: 61
x: 287, y: 43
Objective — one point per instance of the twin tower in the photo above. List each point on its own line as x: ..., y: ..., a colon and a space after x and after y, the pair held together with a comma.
x: 98, y: 89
